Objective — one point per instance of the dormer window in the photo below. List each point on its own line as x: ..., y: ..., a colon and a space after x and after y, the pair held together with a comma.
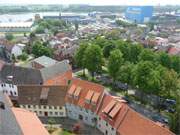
x: 87, y: 101
x: 77, y: 93
x: 95, y: 98
x: 71, y: 91
x: 89, y: 96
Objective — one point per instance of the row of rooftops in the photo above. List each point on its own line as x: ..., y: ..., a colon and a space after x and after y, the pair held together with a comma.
x: 91, y: 96
x: 24, y: 75
x: 113, y: 110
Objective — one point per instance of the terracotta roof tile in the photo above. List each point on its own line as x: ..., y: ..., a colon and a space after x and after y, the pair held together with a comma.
x: 29, y: 122
x: 86, y: 87
x: 135, y: 123
x: 128, y: 122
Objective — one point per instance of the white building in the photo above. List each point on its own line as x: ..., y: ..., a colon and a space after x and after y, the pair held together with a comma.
x: 9, y: 89
x: 82, y: 101
x: 16, y: 27
x: 17, y: 49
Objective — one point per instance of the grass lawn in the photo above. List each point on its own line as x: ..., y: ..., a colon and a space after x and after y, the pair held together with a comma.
x: 65, y: 133
x: 60, y: 131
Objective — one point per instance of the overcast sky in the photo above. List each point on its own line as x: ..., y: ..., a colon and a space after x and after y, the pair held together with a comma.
x: 94, y: 2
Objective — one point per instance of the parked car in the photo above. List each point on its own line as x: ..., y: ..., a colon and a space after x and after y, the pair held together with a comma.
x: 168, y: 104
x: 160, y: 119
x: 170, y: 101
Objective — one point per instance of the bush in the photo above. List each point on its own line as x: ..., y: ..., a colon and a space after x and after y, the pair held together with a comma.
x: 40, y: 30
x: 23, y: 57
x: 9, y: 36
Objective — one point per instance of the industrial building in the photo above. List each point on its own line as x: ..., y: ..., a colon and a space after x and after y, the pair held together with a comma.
x: 139, y: 14
x: 16, y: 27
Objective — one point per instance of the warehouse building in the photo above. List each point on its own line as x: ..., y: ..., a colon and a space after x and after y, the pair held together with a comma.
x: 16, y: 27
x: 139, y: 14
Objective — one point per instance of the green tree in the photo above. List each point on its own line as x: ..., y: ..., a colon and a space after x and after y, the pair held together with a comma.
x: 154, y: 82
x: 175, y: 63
x: 40, y: 29
x: 39, y: 50
x: 107, y: 49
x: 9, y: 36
x: 114, y: 64
x: 45, y: 24
x: 93, y: 59
x: 113, y: 35
x: 79, y: 56
x: 124, y: 48
x: 165, y: 60
x: 135, y: 51
x: 23, y: 56
x: 175, y: 117
x: 143, y: 77
x: 147, y: 55
x: 101, y: 41
x: 169, y: 82
x: 125, y: 73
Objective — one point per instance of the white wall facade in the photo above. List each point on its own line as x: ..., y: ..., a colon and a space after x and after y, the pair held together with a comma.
x: 15, y: 29
x: 74, y: 112
x: 105, y: 127
x: 45, y: 110
x: 16, y: 50
x: 9, y: 89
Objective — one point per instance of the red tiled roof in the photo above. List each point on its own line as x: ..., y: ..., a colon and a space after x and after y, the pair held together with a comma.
x: 127, y: 121
x: 174, y: 51
x: 86, y: 87
x: 135, y: 123
x: 60, y: 79
x: 29, y: 122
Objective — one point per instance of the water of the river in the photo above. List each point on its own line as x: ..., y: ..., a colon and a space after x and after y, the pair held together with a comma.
x: 28, y: 16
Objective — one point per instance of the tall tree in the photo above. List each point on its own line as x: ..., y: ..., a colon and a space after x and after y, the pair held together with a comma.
x: 79, y: 56
x: 124, y: 47
x: 93, y: 59
x: 165, y: 59
x: 39, y: 50
x: 169, y: 82
x: 114, y: 64
x: 125, y: 74
x: 135, y: 50
x: 175, y: 117
x: 144, y: 78
x: 107, y: 49
x: 147, y: 55
x: 175, y: 63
